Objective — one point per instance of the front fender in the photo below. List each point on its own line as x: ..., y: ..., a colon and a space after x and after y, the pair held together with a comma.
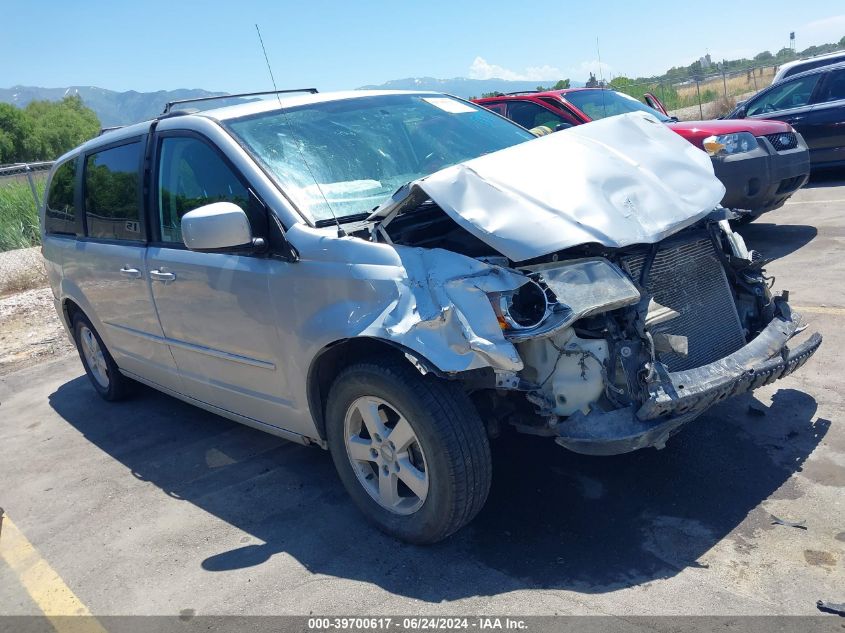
x: 432, y: 302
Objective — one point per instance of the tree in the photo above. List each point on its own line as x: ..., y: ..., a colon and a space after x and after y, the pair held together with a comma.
x: 17, y: 143
x: 61, y: 126
x: 563, y: 84
x: 763, y: 57
x: 44, y: 130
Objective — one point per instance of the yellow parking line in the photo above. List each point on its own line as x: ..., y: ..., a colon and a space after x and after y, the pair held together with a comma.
x: 820, y: 310
x: 44, y: 585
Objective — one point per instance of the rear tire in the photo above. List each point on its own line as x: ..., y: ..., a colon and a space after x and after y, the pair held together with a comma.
x: 441, y: 449
x: 98, y: 363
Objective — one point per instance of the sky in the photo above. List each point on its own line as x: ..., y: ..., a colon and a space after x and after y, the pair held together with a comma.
x: 149, y: 45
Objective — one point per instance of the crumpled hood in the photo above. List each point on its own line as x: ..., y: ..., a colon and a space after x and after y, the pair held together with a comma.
x: 621, y: 180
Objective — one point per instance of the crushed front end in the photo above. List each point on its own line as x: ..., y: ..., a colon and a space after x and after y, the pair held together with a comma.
x: 630, y: 303
x: 621, y: 347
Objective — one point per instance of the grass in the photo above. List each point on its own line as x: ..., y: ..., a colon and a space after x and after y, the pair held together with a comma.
x: 18, y: 214
x: 740, y: 84
x: 714, y: 88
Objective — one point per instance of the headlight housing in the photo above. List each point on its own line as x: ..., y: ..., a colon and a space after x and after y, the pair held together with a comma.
x: 525, y: 308
x: 726, y: 144
x: 558, y: 294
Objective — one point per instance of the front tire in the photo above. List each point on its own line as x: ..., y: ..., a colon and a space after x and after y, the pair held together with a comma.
x: 98, y: 363
x: 745, y: 219
x: 410, y: 450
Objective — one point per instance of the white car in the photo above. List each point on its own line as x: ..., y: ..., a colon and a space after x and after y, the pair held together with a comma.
x: 800, y: 65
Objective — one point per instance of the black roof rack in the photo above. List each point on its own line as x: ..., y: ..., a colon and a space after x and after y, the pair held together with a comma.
x: 112, y: 128
x: 523, y: 92
x: 170, y: 104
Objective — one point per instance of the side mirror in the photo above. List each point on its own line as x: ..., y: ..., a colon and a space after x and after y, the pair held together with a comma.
x: 740, y: 113
x: 217, y: 227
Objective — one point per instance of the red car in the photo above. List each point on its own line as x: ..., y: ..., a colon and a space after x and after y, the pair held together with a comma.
x: 761, y: 163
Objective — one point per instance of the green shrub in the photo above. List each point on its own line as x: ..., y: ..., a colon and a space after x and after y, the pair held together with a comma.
x: 18, y: 215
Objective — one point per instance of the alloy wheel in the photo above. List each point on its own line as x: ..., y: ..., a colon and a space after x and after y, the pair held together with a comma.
x: 386, y: 455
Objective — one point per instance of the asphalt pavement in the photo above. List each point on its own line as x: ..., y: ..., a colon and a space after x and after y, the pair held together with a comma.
x: 151, y: 506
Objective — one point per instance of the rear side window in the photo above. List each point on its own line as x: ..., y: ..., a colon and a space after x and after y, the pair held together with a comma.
x: 498, y: 108
x: 112, y: 196
x: 60, y: 216
x: 833, y: 88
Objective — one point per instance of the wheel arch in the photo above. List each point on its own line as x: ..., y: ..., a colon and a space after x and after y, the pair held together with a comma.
x: 334, y: 358
x: 69, y: 309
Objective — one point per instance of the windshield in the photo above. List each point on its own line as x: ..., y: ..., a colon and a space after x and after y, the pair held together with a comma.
x: 598, y: 104
x: 354, y: 153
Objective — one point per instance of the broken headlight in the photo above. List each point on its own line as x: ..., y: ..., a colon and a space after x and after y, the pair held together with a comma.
x: 525, y: 308
x: 560, y: 293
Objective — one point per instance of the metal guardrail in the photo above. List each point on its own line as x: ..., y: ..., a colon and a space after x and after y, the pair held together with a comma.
x: 22, y: 267
x: 14, y: 169
x: 27, y: 170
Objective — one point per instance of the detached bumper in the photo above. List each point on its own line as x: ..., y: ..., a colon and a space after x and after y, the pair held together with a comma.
x: 677, y: 398
x: 762, y: 180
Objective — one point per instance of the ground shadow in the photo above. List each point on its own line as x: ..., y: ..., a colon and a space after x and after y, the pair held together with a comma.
x: 821, y: 178
x: 776, y: 240
x: 554, y: 519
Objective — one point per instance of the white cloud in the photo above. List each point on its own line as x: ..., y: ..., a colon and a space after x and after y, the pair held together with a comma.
x: 599, y: 69
x: 826, y: 30
x: 482, y: 69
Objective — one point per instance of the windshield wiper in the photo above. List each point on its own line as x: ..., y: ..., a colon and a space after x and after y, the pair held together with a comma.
x: 343, y: 219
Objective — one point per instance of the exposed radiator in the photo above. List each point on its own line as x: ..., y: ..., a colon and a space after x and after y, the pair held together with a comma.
x: 690, y: 280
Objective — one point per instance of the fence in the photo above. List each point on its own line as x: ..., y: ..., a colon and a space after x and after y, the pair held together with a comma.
x: 21, y: 190
x: 704, y: 96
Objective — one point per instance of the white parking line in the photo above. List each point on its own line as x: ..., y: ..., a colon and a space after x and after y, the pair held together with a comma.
x: 814, y: 201
x: 820, y: 310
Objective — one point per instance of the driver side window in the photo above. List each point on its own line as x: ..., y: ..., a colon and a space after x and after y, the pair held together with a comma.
x: 530, y: 115
x: 191, y: 174
x: 790, y: 94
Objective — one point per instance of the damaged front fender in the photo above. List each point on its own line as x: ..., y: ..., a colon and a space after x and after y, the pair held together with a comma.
x: 432, y: 302
x: 443, y: 297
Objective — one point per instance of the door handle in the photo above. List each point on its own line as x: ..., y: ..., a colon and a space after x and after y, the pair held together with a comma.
x: 158, y: 275
x: 132, y: 273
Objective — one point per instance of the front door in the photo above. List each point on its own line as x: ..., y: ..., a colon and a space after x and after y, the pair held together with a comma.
x: 789, y: 101
x: 653, y: 102
x: 215, y: 308
x: 824, y: 126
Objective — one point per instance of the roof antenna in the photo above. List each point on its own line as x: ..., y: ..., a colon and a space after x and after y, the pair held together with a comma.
x: 340, y: 231
x: 601, y: 78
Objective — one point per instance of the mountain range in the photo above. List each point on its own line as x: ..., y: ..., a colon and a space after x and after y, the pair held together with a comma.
x: 123, y: 108
x: 112, y: 108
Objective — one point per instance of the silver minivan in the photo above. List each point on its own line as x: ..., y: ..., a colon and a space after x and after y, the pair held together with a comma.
x: 402, y: 277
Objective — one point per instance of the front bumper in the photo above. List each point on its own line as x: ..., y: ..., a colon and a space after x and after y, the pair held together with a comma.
x: 763, y: 179
x: 679, y: 397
